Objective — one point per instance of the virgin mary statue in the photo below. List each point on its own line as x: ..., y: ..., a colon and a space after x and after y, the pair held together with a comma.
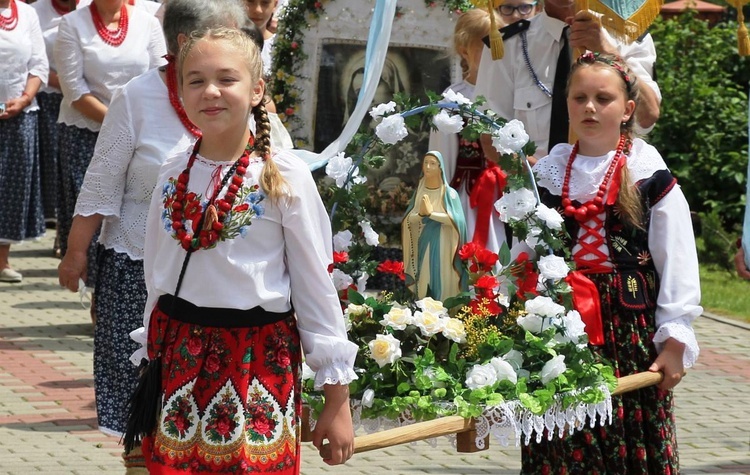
x: 432, y: 232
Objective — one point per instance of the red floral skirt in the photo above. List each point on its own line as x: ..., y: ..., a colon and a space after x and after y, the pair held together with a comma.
x: 230, y: 398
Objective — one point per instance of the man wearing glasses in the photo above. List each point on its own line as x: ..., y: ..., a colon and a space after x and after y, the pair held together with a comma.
x: 513, y: 10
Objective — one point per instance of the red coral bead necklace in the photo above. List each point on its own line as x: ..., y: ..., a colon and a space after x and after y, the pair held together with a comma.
x: 112, y: 38
x: 174, y: 98
x: 10, y: 23
x: 594, y: 206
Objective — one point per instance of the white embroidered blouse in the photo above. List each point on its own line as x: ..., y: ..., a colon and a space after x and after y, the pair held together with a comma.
x: 22, y: 54
x: 281, y: 258
x: 87, y: 65
x: 670, y: 235
x: 140, y: 130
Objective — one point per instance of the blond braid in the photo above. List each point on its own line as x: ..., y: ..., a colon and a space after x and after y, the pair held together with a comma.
x: 271, y: 180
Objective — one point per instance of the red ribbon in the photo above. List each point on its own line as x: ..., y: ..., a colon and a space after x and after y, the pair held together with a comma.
x: 488, y: 187
x: 586, y: 301
x: 614, y: 187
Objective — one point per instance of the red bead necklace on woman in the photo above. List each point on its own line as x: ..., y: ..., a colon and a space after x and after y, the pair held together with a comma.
x: 595, y: 206
x: 174, y: 98
x: 112, y: 38
x: 9, y: 23
x: 212, y: 219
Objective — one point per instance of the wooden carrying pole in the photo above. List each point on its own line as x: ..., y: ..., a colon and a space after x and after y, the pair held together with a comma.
x: 464, y: 428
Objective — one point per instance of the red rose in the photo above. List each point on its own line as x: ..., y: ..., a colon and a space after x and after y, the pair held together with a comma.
x: 640, y: 453
x: 340, y: 257
x: 283, y: 358
x: 262, y: 425
x: 485, y: 286
x: 486, y: 259
x: 468, y: 250
x: 179, y: 423
x: 289, y: 111
x: 194, y: 345
x: 578, y: 455
x: 212, y: 363
x: 223, y: 427
x: 294, y: 45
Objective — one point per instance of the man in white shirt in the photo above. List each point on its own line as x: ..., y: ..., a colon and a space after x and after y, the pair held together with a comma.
x: 521, y: 84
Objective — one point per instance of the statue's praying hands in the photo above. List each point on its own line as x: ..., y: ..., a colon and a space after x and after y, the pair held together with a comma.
x: 425, y: 206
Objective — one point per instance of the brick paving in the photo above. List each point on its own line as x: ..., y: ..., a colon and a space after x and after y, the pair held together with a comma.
x: 48, y: 420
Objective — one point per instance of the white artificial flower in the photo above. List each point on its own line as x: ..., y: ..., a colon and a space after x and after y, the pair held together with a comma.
x: 480, y: 376
x: 307, y: 372
x: 342, y: 240
x: 510, y: 138
x: 448, y: 124
x: 504, y: 370
x: 553, y: 267
x: 380, y: 110
x: 385, y: 349
x: 543, y: 306
x: 368, y: 398
x: 553, y: 368
x: 515, y: 358
x: 550, y: 216
x: 451, y: 96
x: 515, y: 205
x: 357, y: 311
x: 574, y: 328
x: 347, y: 322
x: 392, y: 129
x: 371, y: 237
x: 341, y: 280
x: 397, y: 318
x: 533, y: 238
x: 362, y: 282
x: 428, y: 304
x: 339, y: 168
x: 428, y: 322
x: 503, y: 300
x: 532, y: 323
x: 454, y: 329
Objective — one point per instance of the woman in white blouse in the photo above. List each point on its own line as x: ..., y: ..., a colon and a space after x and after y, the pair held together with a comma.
x: 24, y: 70
x: 145, y: 123
x: 98, y: 49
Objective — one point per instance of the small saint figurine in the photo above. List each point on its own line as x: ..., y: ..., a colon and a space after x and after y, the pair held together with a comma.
x: 432, y: 232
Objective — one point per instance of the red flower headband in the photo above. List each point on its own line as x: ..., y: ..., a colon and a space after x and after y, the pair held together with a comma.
x: 613, y: 61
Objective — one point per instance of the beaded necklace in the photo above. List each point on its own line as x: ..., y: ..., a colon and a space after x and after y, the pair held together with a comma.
x: 594, y: 206
x: 527, y: 60
x: 112, y: 38
x: 10, y: 23
x: 174, y: 98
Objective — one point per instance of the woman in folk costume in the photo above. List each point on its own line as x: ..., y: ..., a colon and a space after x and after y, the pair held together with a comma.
x: 479, y: 181
x: 637, y: 273
x: 236, y: 244
x: 432, y: 232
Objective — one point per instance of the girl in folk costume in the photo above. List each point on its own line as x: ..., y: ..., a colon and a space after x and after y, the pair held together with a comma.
x: 632, y: 242
x: 479, y: 181
x: 145, y: 123
x: 235, y: 239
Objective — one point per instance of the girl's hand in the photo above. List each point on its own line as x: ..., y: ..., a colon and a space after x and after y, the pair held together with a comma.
x: 335, y: 425
x: 71, y: 269
x: 14, y: 107
x: 670, y: 362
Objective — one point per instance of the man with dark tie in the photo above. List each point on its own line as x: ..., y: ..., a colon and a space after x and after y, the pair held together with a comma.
x: 528, y: 85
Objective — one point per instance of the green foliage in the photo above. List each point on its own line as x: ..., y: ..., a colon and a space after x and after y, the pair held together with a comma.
x: 716, y: 246
x: 702, y: 131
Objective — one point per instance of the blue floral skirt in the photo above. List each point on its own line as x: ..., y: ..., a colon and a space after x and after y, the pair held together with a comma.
x: 119, y: 303
x: 49, y: 136
x: 21, y: 215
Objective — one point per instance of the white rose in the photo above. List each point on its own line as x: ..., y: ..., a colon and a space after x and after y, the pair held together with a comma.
x: 510, y: 138
x: 428, y: 304
x: 553, y: 267
x: 342, y: 240
x: 574, y: 328
x: 368, y: 397
x: 454, y: 329
x: 448, y: 124
x: 533, y: 238
x: 480, y: 376
x: 362, y: 282
x: 451, y: 96
x: 307, y: 372
x: 356, y: 311
x: 385, y: 349
x: 380, y: 110
x: 341, y: 280
x: 515, y: 205
x: 504, y: 370
x: 553, y: 368
x: 544, y: 307
x: 371, y: 237
x: 339, y: 169
x: 347, y: 322
x: 550, y: 216
x: 515, y: 358
x: 392, y: 129
x: 429, y: 323
x: 398, y: 318
x: 533, y: 323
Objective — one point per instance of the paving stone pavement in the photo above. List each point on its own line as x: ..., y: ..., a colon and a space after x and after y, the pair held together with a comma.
x: 48, y: 420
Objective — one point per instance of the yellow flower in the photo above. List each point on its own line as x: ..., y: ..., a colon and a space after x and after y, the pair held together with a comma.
x: 278, y: 98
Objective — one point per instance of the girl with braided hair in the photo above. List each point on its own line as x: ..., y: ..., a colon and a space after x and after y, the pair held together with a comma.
x: 636, y: 282
x: 236, y: 239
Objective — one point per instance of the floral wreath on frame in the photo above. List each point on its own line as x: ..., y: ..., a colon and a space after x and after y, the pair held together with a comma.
x: 512, y: 349
x: 289, y: 54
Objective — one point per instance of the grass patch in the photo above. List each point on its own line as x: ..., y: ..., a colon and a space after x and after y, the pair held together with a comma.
x: 724, y: 293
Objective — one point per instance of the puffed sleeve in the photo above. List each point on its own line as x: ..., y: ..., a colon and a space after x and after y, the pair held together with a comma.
x: 672, y: 247
x: 69, y: 60
x: 640, y: 56
x: 157, y: 46
x: 38, y: 64
x: 308, y: 248
x: 104, y: 184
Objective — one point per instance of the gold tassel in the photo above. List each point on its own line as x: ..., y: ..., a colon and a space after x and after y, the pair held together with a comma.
x: 496, y: 39
x: 743, y: 42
